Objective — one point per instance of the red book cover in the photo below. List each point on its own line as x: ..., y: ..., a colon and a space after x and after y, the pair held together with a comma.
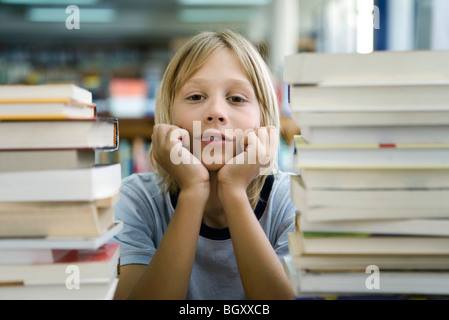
x: 102, y: 254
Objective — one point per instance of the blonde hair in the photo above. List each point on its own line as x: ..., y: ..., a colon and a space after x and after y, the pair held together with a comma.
x: 188, y: 60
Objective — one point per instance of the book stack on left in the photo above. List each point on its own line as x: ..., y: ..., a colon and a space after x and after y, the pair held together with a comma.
x: 56, y: 204
x: 373, y: 188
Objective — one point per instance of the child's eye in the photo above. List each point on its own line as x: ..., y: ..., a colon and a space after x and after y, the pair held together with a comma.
x: 195, y: 97
x: 236, y: 99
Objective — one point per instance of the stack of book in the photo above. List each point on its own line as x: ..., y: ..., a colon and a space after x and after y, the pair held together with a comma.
x: 56, y: 204
x: 373, y: 190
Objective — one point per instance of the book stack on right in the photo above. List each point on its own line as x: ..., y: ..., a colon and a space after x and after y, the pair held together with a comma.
x: 373, y: 189
x: 56, y: 203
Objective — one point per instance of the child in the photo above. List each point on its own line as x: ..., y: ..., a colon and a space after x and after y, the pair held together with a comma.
x: 208, y: 225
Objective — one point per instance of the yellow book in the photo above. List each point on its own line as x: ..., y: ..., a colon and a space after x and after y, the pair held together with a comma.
x: 41, y: 110
x: 44, y: 93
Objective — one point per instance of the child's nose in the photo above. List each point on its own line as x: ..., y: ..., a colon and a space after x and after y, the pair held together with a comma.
x: 215, y: 112
x: 211, y: 119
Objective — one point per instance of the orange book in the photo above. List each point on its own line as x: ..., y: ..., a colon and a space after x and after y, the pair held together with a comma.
x: 51, y: 110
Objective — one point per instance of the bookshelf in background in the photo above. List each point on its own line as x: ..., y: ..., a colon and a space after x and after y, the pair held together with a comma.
x: 135, y: 140
x: 289, y: 129
x: 133, y: 150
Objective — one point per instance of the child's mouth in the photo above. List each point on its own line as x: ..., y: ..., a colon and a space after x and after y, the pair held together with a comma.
x: 214, y: 137
x: 214, y: 140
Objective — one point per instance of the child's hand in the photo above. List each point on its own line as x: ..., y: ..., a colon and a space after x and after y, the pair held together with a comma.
x: 171, y: 151
x: 259, y: 147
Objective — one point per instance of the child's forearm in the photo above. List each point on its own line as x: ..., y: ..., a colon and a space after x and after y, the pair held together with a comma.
x: 168, y: 274
x: 260, y: 269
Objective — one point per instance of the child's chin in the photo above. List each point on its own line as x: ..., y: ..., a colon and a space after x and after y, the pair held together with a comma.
x: 213, y: 166
x: 215, y: 163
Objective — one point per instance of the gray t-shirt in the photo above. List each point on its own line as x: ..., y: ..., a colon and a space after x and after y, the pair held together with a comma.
x: 146, y: 212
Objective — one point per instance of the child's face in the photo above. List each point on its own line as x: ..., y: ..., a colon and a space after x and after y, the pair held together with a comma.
x: 219, y: 97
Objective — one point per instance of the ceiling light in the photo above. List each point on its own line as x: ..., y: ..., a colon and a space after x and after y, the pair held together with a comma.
x: 91, y: 15
x: 224, y: 2
x: 51, y: 2
x: 214, y: 15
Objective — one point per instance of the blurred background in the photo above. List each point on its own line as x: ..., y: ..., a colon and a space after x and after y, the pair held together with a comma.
x: 120, y: 48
